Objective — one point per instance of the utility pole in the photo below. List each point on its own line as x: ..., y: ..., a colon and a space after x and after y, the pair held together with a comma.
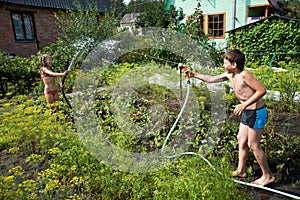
x: 233, y: 13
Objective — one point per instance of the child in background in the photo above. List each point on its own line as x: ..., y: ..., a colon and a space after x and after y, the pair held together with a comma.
x: 49, y: 76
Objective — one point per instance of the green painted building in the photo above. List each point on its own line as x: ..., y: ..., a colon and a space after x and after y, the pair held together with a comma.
x: 221, y: 16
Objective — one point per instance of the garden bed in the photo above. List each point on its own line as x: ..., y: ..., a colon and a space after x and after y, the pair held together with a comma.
x: 287, y: 122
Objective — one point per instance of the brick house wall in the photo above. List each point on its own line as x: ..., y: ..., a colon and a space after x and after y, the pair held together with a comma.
x: 44, y: 23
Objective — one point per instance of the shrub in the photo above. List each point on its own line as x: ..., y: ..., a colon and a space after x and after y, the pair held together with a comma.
x: 18, y: 76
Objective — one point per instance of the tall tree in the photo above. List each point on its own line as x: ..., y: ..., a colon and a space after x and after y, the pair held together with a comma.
x: 119, y: 8
x: 86, y: 23
x: 194, y: 28
x: 155, y: 15
x: 194, y: 24
x: 137, y: 6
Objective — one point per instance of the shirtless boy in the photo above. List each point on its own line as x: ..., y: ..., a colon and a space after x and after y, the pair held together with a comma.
x: 252, y: 110
x: 48, y: 77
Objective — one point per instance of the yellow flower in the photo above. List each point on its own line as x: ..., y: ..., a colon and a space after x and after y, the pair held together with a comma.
x: 16, y: 171
x: 52, y: 185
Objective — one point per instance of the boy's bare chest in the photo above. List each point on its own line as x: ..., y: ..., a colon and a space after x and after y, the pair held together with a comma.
x: 239, y: 86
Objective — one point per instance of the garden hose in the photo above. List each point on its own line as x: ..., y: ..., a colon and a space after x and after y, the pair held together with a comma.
x: 206, y: 160
x: 179, y: 115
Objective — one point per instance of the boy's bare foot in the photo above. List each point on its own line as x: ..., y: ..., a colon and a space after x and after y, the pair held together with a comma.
x: 238, y: 174
x: 263, y: 181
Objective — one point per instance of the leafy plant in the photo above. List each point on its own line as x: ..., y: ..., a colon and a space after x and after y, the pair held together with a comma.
x: 59, y: 166
x: 86, y: 23
x: 289, y: 87
x: 268, y: 39
x: 18, y: 76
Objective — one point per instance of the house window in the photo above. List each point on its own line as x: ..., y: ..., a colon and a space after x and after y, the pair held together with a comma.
x: 216, y: 25
x: 256, y: 13
x: 23, y: 26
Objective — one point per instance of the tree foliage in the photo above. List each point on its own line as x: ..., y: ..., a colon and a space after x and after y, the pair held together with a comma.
x: 89, y: 23
x: 293, y: 5
x: 119, y: 7
x: 193, y: 24
x: 193, y: 28
x: 137, y: 6
x: 154, y: 15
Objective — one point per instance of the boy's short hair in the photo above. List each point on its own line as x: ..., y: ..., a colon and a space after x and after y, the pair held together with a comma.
x: 236, y: 56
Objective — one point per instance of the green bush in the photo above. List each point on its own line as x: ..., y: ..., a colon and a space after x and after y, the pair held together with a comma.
x: 18, y: 76
x: 21, y: 75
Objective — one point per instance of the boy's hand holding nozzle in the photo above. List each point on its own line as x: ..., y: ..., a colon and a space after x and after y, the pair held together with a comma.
x: 186, y: 70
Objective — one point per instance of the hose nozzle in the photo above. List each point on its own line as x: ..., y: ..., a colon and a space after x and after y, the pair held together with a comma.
x: 180, y: 66
x: 186, y: 70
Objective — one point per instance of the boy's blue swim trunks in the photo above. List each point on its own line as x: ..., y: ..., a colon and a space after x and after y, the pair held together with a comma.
x: 255, y: 118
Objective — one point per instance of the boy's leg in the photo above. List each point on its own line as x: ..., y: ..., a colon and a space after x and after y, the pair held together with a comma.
x: 243, y: 151
x: 254, y: 136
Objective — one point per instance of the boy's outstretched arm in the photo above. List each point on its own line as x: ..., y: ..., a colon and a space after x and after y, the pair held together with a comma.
x: 209, y: 78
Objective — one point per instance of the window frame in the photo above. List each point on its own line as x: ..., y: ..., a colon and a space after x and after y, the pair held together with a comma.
x: 206, y: 25
x: 23, y: 27
x: 262, y: 6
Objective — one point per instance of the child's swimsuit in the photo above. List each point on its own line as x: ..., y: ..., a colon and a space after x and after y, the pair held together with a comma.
x: 52, y: 92
x: 255, y: 118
